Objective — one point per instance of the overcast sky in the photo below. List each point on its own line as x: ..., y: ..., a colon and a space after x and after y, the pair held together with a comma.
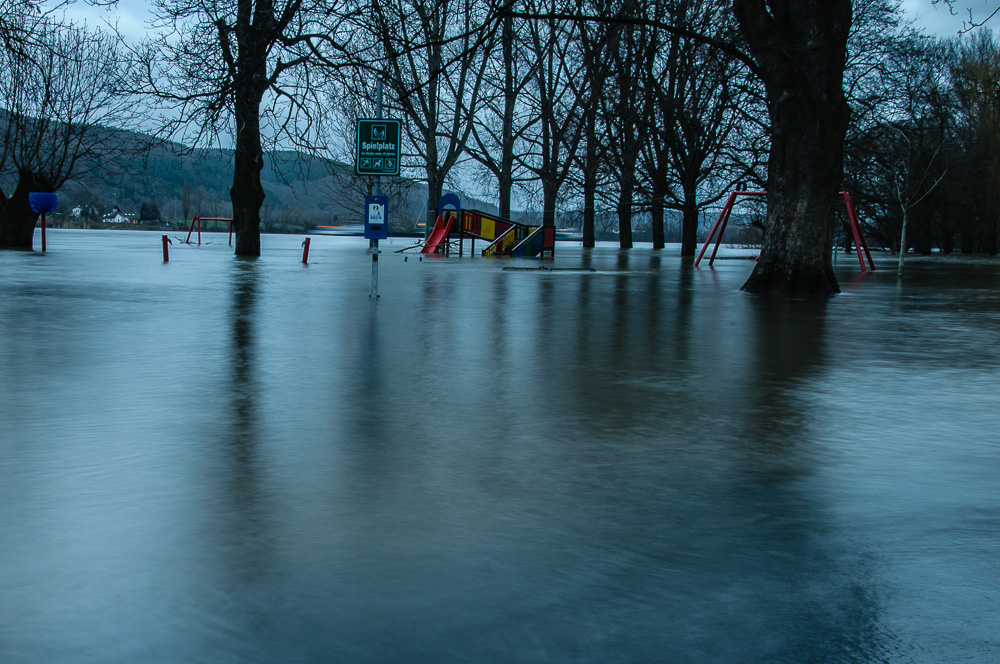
x: 935, y: 19
x: 129, y: 15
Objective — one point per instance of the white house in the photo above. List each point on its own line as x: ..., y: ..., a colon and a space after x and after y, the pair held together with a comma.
x: 116, y: 216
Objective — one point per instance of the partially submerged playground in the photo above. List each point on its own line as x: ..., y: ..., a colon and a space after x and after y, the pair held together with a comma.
x: 504, y: 237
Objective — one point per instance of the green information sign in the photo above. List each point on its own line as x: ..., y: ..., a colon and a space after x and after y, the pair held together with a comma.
x: 377, y: 147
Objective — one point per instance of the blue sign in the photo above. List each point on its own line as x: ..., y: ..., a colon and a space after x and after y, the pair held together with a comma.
x: 42, y: 201
x: 376, y: 220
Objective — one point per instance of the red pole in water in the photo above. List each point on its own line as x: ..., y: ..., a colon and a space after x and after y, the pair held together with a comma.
x: 305, y: 251
x: 43, y: 230
x: 711, y: 234
x: 166, y: 253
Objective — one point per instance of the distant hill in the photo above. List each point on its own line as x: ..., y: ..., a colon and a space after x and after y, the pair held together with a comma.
x: 302, y: 191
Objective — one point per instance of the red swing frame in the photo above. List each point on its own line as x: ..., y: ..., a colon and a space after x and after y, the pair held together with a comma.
x: 720, y: 225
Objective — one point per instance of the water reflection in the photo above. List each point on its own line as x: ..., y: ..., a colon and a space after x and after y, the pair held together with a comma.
x: 652, y: 296
x: 641, y: 463
x: 682, y: 337
x: 790, y: 338
x: 241, y: 508
x: 583, y: 305
x: 243, y: 358
x: 831, y: 592
x: 620, y: 346
x: 499, y: 344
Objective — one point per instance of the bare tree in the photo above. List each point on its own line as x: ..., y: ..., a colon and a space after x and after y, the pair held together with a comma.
x: 915, y: 176
x: 976, y: 80
x: 695, y: 111
x: 557, y: 96
x: 250, y: 72
x: 503, y: 119
x: 799, y: 49
x: 17, y: 21
x: 973, y: 20
x: 434, y: 58
x: 631, y: 53
x: 902, y: 123
x: 60, y: 94
x: 596, y: 39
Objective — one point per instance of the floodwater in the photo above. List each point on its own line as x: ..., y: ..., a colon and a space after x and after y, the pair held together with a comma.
x: 226, y: 460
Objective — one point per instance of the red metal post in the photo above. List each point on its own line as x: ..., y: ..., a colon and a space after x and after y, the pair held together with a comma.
x: 723, y: 220
x: 864, y: 243
x: 725, y: 208
x: 43, y: 230
x: 859, y: 238
x: 305, y: 251
x: 852, y: 220
x: 728, y: 210
x: 166, y: 253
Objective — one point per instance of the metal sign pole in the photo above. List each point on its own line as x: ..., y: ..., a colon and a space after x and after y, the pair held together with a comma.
x: 378, y: 192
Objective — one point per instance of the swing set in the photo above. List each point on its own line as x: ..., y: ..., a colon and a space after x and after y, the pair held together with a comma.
x: 198, y: 220
x: 720, y: 225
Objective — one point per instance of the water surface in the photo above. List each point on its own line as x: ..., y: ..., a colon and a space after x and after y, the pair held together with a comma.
x: 230, y: 460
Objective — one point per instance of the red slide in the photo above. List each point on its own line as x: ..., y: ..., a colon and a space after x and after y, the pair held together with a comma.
x: 438, y: 235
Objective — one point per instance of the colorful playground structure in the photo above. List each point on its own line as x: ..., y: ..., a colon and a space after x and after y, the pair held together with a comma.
x: 505, y: 237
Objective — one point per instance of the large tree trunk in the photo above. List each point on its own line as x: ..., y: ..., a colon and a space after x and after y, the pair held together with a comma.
x: 625, y: 216
x: 656, y: 218
x: 435, y: 182
x: 626, y: 187
x: 506, y: 177
x: 249, y: 87
x: 689, y: 222
x: 800, y: 48
x: 247, y: 194
x: 506, y: 184
x: 590, y: 180
x: 550, y: 193
x: 17, y: 219
x: 435, y: 189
